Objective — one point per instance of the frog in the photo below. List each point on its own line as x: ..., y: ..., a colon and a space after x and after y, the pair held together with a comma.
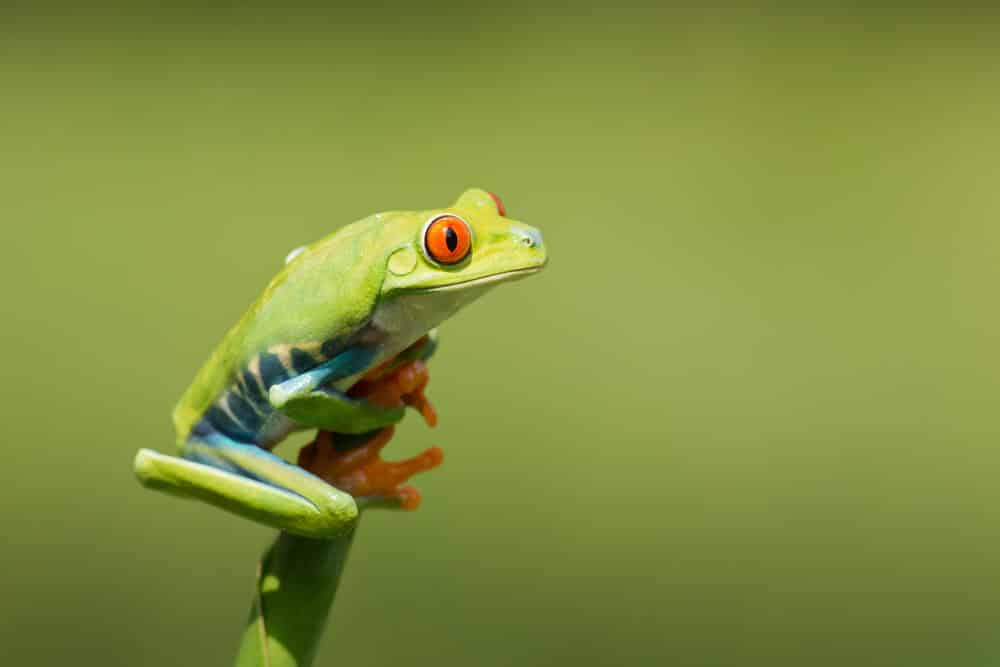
x: 361, y: 306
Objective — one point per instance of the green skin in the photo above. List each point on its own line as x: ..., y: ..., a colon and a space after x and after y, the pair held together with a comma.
x: 372, y: 288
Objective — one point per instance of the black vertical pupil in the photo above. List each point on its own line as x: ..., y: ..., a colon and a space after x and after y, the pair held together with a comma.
x: 450, y: 238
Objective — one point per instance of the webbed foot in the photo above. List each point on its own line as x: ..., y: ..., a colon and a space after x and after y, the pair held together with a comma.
x: 397, y: 386
x: 355, y: 466
x: 361, y: 471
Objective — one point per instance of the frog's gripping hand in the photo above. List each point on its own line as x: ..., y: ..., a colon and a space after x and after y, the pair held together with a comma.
x: 352, y: 463
x: 359, y: 470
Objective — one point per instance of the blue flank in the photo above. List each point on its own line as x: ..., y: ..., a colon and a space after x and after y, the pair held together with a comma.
x: 301, y: 361
x: 272, y: 371
x: 244, y: 411
x: 241, y: 413
x: 220, y: 421
x: 249, y: 386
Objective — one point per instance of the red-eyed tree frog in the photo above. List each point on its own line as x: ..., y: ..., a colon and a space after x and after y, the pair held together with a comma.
x: 366, y: 297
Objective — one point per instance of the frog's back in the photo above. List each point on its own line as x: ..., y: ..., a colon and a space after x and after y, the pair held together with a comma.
x: 308, y: 313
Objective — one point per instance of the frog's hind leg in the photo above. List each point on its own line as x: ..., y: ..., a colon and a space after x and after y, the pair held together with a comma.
x: 250, y: 482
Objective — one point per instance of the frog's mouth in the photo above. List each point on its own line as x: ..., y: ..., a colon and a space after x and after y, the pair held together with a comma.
x: 516, y: 274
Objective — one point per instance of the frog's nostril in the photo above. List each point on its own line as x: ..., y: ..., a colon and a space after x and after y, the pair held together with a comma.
x: 529, y: 236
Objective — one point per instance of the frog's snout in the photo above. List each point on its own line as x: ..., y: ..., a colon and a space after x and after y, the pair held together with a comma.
x: 529, y: 236
x: 530, y: 245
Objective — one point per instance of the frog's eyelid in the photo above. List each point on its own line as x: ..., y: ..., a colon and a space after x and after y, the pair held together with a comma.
x: 290, y: 257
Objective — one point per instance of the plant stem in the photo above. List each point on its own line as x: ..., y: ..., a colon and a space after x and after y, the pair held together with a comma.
x: 296, y: 582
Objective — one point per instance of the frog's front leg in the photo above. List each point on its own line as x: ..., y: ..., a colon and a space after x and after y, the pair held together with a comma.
x: 305, y: 398
x: 250, y: 482
x: 330, y: 410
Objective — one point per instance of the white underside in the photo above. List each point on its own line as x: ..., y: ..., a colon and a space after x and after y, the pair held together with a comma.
x: 406, y: 318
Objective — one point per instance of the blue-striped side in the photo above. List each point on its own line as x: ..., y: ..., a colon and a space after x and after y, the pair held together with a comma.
x: 241, y: 412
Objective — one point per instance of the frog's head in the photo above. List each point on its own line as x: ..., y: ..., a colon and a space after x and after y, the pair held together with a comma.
x: 464, y: 249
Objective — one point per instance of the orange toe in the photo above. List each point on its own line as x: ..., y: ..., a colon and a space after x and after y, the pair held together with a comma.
x: 409, y: 497
x: 421, y: 404
x: 362, y: 472
x: 402, y: 386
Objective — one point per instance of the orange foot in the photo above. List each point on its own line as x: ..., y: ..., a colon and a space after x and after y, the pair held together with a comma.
x: 402, y: 386
x: 361, y: 472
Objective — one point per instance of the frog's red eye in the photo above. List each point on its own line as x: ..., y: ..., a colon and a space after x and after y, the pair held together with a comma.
x: 448, y: 239
x: 496, y: 200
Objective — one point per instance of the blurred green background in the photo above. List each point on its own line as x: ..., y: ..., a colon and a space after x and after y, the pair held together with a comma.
x: 747, y: 416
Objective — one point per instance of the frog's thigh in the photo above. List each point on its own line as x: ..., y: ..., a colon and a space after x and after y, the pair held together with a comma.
x: 330, y: 410
x: 252, y: 483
